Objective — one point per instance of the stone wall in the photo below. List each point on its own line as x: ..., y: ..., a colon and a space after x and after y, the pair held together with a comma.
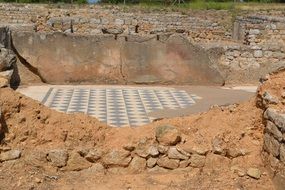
x: 262, y: 45
x: 163, y: 151
x: 92, y: 19
x: 272, y: 102
x: 243, y: 48
x: 103, y: 59
x: 274, y: 144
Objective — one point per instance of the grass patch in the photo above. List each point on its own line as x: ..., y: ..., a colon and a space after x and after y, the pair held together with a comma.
x: 203, y: 5
x: 200, y: 5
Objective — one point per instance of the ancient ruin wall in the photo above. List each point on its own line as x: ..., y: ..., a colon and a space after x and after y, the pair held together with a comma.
x: 92, y: 19
x: 270, y: 98
x: 261, y: 46
x: 61, y: 58
x: 242, y: 48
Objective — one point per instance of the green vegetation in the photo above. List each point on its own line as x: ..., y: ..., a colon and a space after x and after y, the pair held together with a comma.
x: 209, y: 5
x: 46, y: 1
x: 174, y: 5
x: 199, y: 5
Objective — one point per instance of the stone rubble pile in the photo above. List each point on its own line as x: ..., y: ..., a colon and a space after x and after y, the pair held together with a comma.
x: 168, y: 152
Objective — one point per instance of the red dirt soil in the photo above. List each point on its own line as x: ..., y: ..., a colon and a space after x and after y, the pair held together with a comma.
x: 30, y: 126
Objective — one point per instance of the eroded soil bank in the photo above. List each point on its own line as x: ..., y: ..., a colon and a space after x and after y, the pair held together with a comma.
x: 218, y: 149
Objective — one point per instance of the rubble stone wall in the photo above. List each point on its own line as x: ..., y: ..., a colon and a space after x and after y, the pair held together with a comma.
x: 261, y: 46
x: 274, y: 132
x: 92, y: 19
x: 274, y: 144
x: 243, y: 47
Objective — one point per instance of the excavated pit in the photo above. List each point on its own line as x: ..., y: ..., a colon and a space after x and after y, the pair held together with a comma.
x: 223, y: 148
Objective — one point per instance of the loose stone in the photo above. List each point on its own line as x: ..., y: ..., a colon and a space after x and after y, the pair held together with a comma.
x: 58, y: 157
x: 254, y: 173
x: 10, y: 155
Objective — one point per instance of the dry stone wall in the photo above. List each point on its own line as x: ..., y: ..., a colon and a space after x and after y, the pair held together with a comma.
x: 272, y: 102
x: 168, y: 151
x: 262, y: 44
x: 242, y: 48
x: 92, y: 19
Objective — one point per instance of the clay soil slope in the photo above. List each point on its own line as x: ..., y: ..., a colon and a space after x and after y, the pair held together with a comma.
x: 31, y: 128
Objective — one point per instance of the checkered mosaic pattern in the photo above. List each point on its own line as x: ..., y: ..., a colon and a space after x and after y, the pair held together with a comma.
x: 116, y: 106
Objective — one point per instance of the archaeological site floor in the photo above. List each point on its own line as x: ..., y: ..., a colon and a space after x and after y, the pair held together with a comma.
x: 127, y: 105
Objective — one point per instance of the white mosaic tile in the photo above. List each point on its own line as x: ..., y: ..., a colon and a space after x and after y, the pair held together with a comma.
x: 117, y: 106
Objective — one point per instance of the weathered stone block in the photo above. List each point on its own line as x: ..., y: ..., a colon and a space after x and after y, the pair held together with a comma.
x: 119, y: 22
x: 167, y: 135
x: 138, y: 164
x: 282, y: 153
x: 151, y: 162
x: 257, y: 53
x: 102, y: 58
x: 10, y: 155
x: 254, y: 31
x: 36, y: 158
x: 175, y: 154
x: 278, y: 55
x: 7, y: 59
x: 58, y: 157
x: 218, y: 146
x: 271, y: 145
x: 94, y: 155
x: 277, y: 118
x: 272, y: 129
x: 168, y: 163
x: 184, y: 163
x: 77, y: 162
x: 269, y: 99
x: 254, y: 173
x: 197, y: 161
x: 95, y: 21
x: 117, y: 158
